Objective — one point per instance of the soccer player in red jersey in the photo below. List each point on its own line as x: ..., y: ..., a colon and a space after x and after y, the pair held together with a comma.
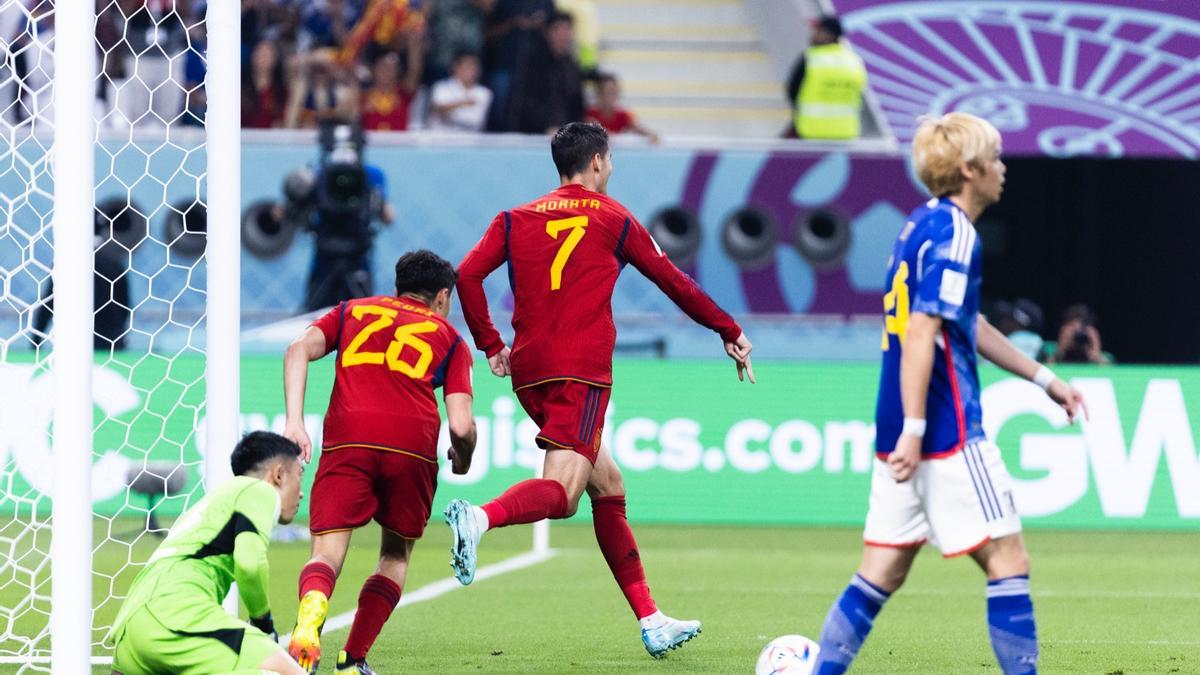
x: 564, y: 252
x: 379, y: 450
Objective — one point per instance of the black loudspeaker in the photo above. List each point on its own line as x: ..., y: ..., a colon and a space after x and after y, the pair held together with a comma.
x: 265, y: 234
x: 749, y: 237
x: 120, y: 219
x: 822, y: 237
x: 156, y: 481
x: 186, y: 228
x: 677, y: 232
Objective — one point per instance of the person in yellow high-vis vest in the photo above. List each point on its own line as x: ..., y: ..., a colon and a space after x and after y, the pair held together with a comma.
x: 826, y: 86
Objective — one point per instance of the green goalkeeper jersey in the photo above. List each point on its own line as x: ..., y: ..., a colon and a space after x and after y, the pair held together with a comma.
x: 222, y: 539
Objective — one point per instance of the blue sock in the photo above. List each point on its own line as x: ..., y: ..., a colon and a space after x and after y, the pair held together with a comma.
x: 847, y: 625
x: 1011, y: 625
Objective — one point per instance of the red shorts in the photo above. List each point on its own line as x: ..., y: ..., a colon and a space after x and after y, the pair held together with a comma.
x: 354, y: 485
x: 569, y: 414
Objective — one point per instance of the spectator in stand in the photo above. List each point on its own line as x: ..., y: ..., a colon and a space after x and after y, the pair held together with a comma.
x: 12, y: 19
x: 273, y: 20
x: 264, y: 89
x: 1078, y: 339
x: 514, y: 30
x: 33, y: 66
x: 321, y: 91
x: 327, y: 23
x: 548, y: 91
x: 609, y: 113
x: 455, y: 28
x: 195, y: 102
x: 390, y: 26
x: 826, y: 85
x: 459, y: 102
x: 587, y: 32
x: 386, y: 102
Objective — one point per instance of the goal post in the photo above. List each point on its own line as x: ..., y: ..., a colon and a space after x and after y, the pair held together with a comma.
x: 71, y: 521
x: 224, y: 250
x: 119, y: 351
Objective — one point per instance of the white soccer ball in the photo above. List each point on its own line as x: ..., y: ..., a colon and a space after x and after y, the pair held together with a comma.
x: 791, y: 654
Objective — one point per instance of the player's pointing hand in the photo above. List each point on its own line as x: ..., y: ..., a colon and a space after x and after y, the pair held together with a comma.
x: 499, y: 364
x: 739, y: 351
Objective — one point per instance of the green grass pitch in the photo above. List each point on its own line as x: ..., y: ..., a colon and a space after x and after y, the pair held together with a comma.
x: 1111, y: 602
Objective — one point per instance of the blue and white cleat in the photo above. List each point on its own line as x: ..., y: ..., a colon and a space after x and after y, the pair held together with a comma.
x: 460, y: 516
x: 670, y: 635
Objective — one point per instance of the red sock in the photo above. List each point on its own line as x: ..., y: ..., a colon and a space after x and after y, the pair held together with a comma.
x: 527, y: 502
x: 621, y: 552
x: 379, y: 596
x: 317, y: 576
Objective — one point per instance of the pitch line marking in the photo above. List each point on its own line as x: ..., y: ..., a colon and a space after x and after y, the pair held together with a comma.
x: 444, y: 586
x: 343, y: 620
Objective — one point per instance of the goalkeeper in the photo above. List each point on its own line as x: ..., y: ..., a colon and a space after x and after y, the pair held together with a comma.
x: 172, y: 621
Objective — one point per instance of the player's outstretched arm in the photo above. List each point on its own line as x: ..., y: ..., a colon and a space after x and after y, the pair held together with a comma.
x: 481, y: 261
x: 997, y: 348
x: 308, y: 346
x: 461, y: 421
x: 640, y: 249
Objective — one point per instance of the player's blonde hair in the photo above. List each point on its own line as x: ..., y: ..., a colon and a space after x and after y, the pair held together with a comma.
x: 941, y: 143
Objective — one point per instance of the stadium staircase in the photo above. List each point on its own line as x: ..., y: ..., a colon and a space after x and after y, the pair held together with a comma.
x: 694, y: 67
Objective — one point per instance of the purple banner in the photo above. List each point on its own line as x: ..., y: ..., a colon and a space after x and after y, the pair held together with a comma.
x: 1112, y: 79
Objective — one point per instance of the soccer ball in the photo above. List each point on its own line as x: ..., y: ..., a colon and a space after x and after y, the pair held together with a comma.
x: 792, y: 654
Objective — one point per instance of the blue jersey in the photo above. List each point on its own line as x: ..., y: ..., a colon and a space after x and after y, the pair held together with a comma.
x: 935, y: 269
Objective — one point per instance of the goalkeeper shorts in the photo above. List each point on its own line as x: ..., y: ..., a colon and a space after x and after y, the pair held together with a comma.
x: 221, y: 643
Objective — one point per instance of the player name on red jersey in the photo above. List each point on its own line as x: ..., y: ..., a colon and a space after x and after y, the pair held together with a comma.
x: 566, y: 204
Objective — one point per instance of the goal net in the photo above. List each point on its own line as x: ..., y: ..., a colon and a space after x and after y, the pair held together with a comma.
x: 149, y: 289
x: 119, y: 307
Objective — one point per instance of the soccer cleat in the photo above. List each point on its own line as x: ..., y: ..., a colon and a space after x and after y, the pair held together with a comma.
x: 349, y: 666
x: 460, y: 516
x: 670, y: 635
x: 305, y: 646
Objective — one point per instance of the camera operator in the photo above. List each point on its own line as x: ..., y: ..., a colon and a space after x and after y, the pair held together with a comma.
x: 1078, y: 339
x: 341, y: 205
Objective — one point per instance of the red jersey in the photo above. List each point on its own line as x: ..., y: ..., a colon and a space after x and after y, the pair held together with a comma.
x: 618, y: 121
x: 564, y: 252
x: 385, y: 110
x: 392, y: 354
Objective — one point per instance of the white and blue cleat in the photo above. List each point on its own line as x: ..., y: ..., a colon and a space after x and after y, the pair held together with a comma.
x: 460, y: 516
x: 670, y: 635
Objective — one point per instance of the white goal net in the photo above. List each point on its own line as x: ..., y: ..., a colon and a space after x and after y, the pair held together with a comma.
x: 149, y: 283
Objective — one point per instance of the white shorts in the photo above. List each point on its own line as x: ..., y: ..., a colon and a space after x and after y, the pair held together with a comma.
x: 957, y: 503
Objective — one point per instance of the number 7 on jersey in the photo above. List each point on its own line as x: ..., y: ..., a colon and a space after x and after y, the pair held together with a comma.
x: 576, y: 225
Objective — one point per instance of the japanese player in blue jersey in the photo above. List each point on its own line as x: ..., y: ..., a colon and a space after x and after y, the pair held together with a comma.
x: 937, y: 479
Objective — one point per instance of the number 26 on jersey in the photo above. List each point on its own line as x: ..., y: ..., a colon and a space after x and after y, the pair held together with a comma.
x: 405, y: 335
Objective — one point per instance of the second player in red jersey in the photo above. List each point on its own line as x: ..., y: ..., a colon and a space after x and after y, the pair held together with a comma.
x: 379, y: 451
x: 564, y: 252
